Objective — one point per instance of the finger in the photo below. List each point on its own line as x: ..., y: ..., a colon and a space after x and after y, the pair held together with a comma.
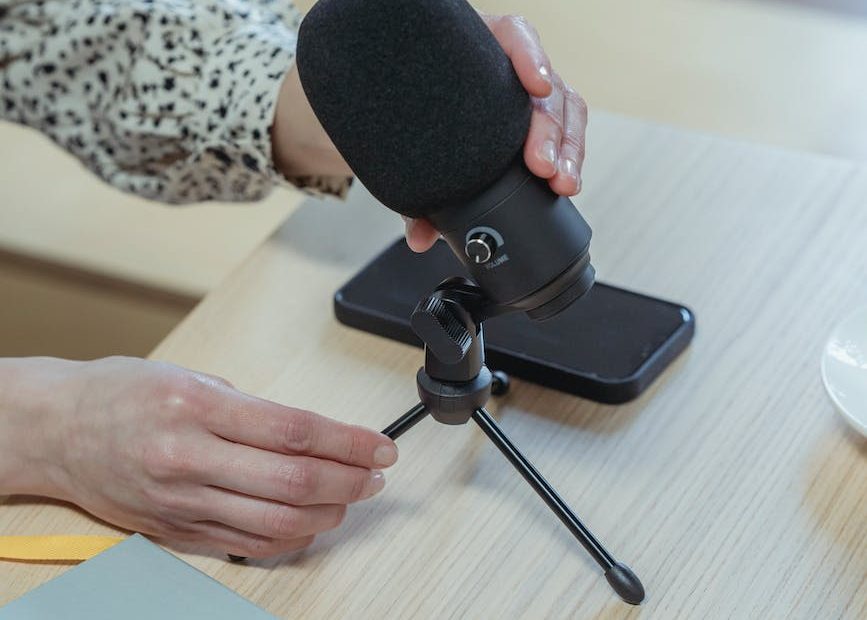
x: 297, y: 480
x: 266, y: 518
x: 567, y: 181
x: 420, y: 234
x: 521, y: 43
x: 230, y: 540
x: 263, y: 424
x: 542, y: 148
x: 210, y: 379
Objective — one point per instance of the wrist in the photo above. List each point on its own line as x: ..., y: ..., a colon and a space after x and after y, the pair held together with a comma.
x: 36, y: 397
x: 299, y: 143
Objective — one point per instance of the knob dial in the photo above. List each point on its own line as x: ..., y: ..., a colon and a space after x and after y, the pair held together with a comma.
x: 481, y: 247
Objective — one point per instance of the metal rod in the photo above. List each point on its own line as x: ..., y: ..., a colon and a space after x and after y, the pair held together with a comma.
x: 405, y: 422
x: 545, y: 491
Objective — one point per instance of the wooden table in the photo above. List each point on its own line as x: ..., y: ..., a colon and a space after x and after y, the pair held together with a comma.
x: 732, y: 487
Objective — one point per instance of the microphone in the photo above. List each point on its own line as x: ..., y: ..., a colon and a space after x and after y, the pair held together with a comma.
x: 425, y: 107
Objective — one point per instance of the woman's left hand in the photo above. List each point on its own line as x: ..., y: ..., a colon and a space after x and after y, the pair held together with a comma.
x: 554, y: 149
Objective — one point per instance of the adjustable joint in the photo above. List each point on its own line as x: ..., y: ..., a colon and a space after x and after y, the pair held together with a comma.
x: 453, y: 403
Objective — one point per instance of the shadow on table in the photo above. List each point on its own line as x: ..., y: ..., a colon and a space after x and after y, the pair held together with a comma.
x: 346, y: 233
x: 362, y: 521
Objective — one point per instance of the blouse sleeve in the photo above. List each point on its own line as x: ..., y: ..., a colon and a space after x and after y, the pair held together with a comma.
x: 172, y: 100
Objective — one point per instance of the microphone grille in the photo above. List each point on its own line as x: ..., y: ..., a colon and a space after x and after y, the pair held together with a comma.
x: 417, y: 95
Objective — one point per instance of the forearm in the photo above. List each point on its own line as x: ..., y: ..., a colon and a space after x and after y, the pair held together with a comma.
x: 301, y: 146
x: 32, y: 395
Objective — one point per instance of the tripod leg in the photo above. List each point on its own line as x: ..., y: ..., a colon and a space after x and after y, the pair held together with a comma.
x: 405, y: 422
x: 621, y: 578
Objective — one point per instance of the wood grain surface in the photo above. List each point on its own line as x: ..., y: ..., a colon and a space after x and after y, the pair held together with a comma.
x: 731, y: 487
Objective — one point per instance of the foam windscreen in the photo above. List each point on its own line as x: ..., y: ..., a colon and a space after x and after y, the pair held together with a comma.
x: 417, y: 95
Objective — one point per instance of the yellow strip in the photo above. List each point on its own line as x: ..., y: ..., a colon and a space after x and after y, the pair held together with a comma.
x: 57, y: 548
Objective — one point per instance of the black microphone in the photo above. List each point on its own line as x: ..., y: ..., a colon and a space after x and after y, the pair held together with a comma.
x: 425, y: 107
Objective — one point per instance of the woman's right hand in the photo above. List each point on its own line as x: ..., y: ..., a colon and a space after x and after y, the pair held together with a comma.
x: 554, y: 149
x: 162, y: 450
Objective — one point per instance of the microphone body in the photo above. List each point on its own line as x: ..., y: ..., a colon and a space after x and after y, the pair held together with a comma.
x: 424, y: 105
x: 525, y: 246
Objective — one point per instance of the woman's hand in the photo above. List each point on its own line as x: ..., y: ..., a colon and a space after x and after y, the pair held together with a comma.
x: 554, y: 149
x: 162, y: 450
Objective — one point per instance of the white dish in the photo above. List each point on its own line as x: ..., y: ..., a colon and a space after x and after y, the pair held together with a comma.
x: 844, y: 369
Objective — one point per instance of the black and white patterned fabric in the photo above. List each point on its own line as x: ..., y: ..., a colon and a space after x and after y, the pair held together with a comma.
x: 172, y: 100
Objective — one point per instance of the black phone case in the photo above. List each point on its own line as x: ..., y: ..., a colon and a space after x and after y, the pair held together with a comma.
x: 608, y: 347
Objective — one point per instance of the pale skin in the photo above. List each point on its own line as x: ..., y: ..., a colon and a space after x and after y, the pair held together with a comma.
x: 181, y: 455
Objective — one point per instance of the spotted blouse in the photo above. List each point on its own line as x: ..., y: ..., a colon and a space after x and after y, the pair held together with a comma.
x: 172, y: 100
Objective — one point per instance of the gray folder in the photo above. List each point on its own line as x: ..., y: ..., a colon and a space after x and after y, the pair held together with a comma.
x: 133, y: 580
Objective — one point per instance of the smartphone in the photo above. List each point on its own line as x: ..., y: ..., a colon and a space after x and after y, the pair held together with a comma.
x: 608, y: 346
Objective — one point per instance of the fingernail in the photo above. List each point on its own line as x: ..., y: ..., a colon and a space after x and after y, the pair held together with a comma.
x: 548, y: 152
x: 569, y: 168
x: 543, y: 71
x: 385, y: 455
x: 377, y: 483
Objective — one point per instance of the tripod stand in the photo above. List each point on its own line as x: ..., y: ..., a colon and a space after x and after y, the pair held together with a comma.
x: 454, y: 385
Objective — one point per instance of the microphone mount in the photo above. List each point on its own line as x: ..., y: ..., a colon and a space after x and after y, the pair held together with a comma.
x: 454, y: 386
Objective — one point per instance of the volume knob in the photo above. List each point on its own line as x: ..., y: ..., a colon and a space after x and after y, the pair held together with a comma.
x: 480, y: 247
